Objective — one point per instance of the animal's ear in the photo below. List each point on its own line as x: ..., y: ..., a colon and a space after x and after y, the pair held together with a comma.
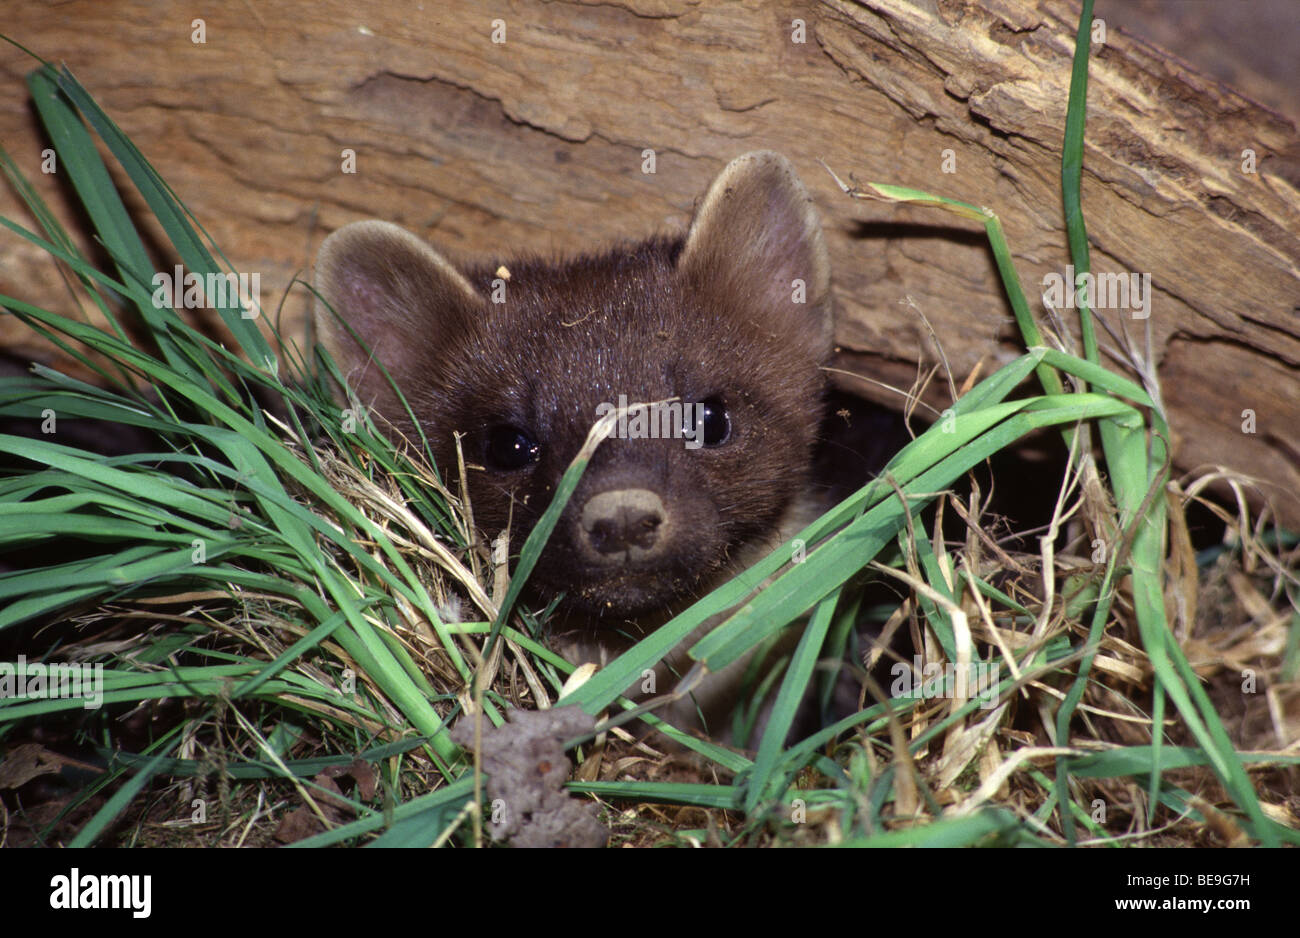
x: 401, y: 298
x: 756, y: 239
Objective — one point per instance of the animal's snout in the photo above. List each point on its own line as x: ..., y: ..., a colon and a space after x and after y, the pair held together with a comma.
x: 622, y: 526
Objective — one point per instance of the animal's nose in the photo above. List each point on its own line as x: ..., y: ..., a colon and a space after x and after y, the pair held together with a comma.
x: 622, y: 525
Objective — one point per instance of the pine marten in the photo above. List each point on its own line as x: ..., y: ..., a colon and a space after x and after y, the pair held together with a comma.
x: 733, y: 319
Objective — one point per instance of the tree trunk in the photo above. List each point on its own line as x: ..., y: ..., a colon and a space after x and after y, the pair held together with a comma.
x: 538, y: 143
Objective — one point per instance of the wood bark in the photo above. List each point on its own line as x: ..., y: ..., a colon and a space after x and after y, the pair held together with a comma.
x: 537, y: 143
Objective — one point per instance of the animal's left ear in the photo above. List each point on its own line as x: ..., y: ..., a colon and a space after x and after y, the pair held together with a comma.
x: 756, y: 239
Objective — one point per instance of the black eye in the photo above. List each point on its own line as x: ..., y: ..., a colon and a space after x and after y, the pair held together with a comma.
x: 717, y: 422
x: 509, y: 448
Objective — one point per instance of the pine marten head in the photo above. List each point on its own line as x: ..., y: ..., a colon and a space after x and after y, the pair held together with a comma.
x: 732, y: 319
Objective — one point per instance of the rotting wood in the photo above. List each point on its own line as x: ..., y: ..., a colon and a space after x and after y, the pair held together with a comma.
x: 536, y: 143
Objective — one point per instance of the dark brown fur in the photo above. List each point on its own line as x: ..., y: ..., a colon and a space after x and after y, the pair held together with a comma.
x: 707, y: 315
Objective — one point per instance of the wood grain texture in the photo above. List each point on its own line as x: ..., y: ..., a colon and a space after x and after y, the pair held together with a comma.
x: 536, y: 144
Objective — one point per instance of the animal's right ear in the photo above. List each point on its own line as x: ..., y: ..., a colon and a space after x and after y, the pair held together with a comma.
x: 399, y: 296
